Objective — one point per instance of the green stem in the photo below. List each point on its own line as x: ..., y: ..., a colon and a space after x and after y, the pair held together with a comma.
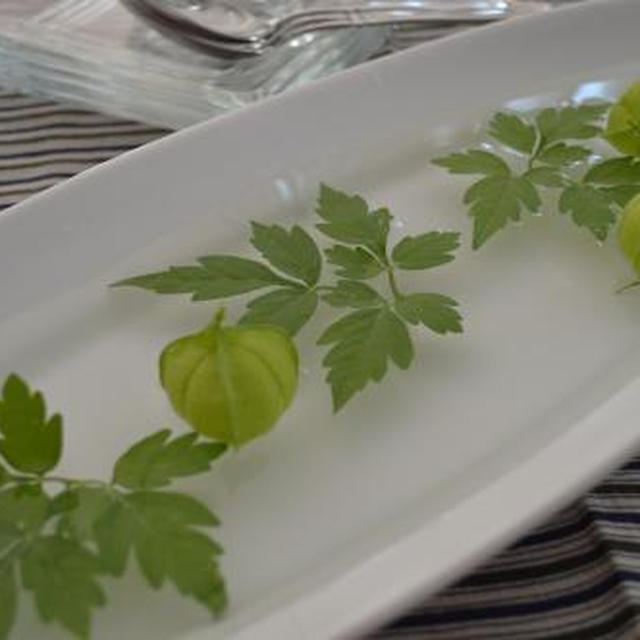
x: 68, y: 482
x: 218, y: 318
x: 393, y: 285
x: 537, y: 150
x: 631, y: 285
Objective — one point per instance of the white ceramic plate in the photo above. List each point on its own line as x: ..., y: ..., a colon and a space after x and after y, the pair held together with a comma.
x: 331, y: 524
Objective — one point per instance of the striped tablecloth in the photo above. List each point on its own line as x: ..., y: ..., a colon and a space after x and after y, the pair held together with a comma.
x: 577, y: 577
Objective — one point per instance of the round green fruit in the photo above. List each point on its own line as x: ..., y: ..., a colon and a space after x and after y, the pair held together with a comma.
x: 623, y: 126
x: 231, y: 383
x: 629, y: 232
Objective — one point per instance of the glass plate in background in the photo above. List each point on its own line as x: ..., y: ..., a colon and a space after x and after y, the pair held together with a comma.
x: 96, y: 53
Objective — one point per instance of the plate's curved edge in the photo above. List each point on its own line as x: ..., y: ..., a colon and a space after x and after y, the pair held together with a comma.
x: 459, y: 538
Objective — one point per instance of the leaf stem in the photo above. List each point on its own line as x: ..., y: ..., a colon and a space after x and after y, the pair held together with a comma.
x: 68, y: 482
x: 630, y: 285
x: 537, y: 150
x: 393, y: 285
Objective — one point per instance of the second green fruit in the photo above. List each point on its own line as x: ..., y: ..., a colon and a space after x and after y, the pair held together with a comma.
x: 231, y: 383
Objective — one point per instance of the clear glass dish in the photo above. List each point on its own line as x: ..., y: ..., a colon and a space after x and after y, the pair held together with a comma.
x: 96, y: 53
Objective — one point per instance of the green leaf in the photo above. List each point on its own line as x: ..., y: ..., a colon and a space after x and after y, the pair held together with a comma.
x: 616, y: 171
x: 32, y: 442
x: 589, y: 208
x: 10, y: 538
x: 216, y: 277
x: 155, y: 461
x: 8, y: 598
x: 91, y: 504
x: 426, y: 250
x: 112, y: 524
x: 351, y: 293
x: 62, y: 503
x: 354, y: 262
x: 63, y: 577
x: 545, y: 177
x: 289, y: 307
x: 363, y: 343
x: 4, y: 475
x: 434, y: 311
x: 620, y: 193
x: 474, y: 161
x: 26, y: 507
x: 495, y: 200
x: 562, y: 154
x: 348, y: 219
x: 292, y: 252
x: 570, y: 123
x: 513, y: 132
x: 160, y: 528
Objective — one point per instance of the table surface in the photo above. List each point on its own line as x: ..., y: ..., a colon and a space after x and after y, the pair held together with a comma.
x: 575, y: 577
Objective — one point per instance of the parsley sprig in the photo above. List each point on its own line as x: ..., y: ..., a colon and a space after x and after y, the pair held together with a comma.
x: 545, y: 151
x: 59, y: 537
x: 375, y: 329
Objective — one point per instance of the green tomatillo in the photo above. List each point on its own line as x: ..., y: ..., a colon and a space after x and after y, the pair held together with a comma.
x: 623, y: 125
x: 231, y: 383
x: 629, y: 232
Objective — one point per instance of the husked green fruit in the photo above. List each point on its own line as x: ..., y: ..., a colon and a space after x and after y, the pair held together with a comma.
x: 629, y: 232
x: 623, y: 126
x: 231, y: 383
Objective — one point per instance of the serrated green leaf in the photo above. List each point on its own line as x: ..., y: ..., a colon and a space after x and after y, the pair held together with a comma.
x: 293, y: 252
x: 570, y: 123
x: 161, y: 528
x: 62, y: 503
x: 91, y: 504
x: 434, y: 311
x: 352, y: 293
x: 11, y: 541
x: 363, y: 343
x: 354, y: 262
x: 615, y: 171
x: 562, y: 154
x: 589, y: 208
x: 216, y: 277
x: 32, y: 442
x: 172, y: 509
x: 8, y: 598
x: 512, y: 131
x: 620, y: 193
x: 25, y: 507
x: 155, y: 461
x: 426, y: 250
x: 112, y: 525
x: 545, y: 177
x: 289, y: 307
x: 63, y: 577
x: 474, y: 161
x: 348, y: 219
x: 495, y: 200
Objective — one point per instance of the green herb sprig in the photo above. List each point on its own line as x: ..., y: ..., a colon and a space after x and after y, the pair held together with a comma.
x: 59, y: 537
x: 375, y: 330
x: 540, y: 152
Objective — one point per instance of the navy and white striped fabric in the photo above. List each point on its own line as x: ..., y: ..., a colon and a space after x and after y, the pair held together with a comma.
x: 42, y: 143
x: 576, y: 577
